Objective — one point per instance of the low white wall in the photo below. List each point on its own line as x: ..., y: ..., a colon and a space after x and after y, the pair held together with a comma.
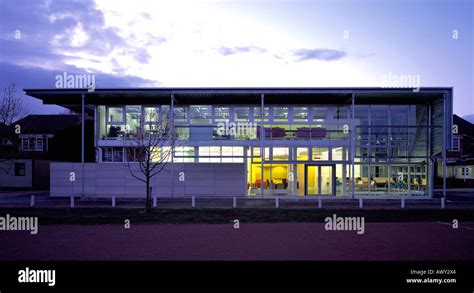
x: 115, y: 179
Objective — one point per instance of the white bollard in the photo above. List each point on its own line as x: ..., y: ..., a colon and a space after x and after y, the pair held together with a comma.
x: 443, y: 202
x: 234, y: 202
x: 193, y: 201
x: 320, y: 203
x: 72, y: 201
x: 361, y: 203
x: 403, y: 203
x: 32, y: 201
x: 277, y: 202
x: 113, y: 201
x: 154, y: 201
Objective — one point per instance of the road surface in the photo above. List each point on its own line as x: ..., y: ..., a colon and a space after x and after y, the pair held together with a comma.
x: 256, y: 241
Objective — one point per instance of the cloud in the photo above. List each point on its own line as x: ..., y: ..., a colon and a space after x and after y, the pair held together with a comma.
x: 226, y: 51
x: 152, y: 40
x: 145, y: 16
x: 298, y: 54
x: 142, y: 56
x: 36, y: 77
x: 318, y: 54
x: 363, y: 55
x: 59, y: 26
x: 56, y: 34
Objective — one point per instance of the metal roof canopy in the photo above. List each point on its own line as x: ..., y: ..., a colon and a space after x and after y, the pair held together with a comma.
x: 71, y: 98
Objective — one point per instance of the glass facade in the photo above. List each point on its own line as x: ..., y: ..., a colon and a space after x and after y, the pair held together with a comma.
x: 392, y: 149
x: 309, y: 149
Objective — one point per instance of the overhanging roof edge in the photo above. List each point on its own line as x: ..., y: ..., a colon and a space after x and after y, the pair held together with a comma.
x: 223, y: 90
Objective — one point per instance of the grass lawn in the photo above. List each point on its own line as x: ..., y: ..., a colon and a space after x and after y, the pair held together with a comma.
x: 221, y: 216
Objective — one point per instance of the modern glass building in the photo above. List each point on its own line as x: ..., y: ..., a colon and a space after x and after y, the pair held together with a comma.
x: 280, y: 141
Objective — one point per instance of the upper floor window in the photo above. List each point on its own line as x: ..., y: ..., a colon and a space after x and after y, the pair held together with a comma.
x: 201, y: 114
x: 456, y: 144
x: 280, y: 114
x: 165, y: 114
x: 179, y: 114
x: 361, y: 113
x: 152, y: 114
x: 379, y: 115
x: 115, y: 114
x: 300, y: 114
x: 32, y: 144
x: 5, y: 141
x: 399, y: 115
x: 133, y: 119
x: 39, y: 144
x: 340, y: 113
x: 25, y: 144
x: 320, y: 114
x: 242, y: 114
x: 221, y: 114
x: 257, y: 113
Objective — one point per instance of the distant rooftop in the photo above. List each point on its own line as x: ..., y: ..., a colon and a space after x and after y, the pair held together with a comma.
x: 47, y: 124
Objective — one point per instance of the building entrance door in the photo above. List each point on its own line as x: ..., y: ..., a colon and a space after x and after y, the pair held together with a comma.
x: 319, y: 180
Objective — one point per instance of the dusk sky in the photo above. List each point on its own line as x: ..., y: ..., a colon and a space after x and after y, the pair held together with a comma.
x: 238, y: 43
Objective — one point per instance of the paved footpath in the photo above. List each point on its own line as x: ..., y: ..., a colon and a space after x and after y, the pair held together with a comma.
x: 284, y: 241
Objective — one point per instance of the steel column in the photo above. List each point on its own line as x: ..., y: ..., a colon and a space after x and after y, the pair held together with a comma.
x: 171, y: 127
x: 262, y: 143
x: 82, y: 141
x: 353, y: 144
x: 444, y: 148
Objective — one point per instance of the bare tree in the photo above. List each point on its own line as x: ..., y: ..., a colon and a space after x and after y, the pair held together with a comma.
x: 151, y: 148
x: 11, y: 109
x: 12, y: 106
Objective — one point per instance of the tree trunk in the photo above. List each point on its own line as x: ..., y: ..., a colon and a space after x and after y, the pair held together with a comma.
x: 148, y: 196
